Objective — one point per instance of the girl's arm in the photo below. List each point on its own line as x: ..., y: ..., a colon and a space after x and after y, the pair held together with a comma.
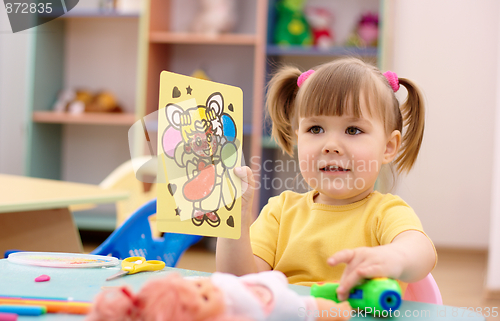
x: 236, y: 256
x: 409, y: 258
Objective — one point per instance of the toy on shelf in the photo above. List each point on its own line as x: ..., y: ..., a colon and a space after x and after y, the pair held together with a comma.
x: 221, y: 297
x: 366, y: 32
x: 320, y: 20
x: 292, y: 27
x: 200, y: 74
x: 378, y: 296
x: 121, y: 6
x: 80, y: 101
x: 215, y: 17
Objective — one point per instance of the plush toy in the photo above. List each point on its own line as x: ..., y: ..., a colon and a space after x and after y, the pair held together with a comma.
x: 366, y: 33
x: 200, y: 74
x: 215, y: 17
x: 221, y: 297
x: 292, y: 27
x: 79, y: 101
x: 320, y: 20
x: 103, y: 102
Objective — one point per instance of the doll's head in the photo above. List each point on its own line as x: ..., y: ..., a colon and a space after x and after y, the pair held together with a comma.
x: 167, y: 299
x: 343, y: 87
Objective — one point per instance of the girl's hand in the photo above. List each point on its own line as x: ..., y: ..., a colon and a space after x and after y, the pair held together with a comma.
x: 247, y: 190
x: 365, y: 263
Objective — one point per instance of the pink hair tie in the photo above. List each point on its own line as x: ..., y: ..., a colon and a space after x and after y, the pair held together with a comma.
x: 303, y: 77
x: 393, y: 80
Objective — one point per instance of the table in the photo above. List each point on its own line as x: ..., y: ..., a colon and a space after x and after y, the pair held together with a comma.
x: 34, y: 214
x: 84, y: 284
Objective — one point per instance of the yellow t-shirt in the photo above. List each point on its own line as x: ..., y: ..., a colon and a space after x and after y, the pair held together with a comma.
x: 296, y: 236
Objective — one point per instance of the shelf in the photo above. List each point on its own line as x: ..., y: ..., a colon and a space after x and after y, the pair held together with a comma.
x: 85, y: 118
x: 196, y: 38
x: 93, y: 13
x: 275, y: 50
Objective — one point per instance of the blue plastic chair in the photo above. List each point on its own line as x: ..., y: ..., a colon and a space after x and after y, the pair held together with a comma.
x: 133, y: 238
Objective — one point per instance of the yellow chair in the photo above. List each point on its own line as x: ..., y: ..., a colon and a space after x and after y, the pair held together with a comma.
x: 124, y: 178
x: 137, y: 182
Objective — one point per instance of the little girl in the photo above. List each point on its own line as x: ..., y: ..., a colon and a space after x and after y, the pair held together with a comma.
x: 346, y: 122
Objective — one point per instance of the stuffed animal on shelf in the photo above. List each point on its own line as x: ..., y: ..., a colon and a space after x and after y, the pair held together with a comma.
x: 79, y: 101
x: 200, y: 74
x: 292, y: 27
x: 366, y: 32
x: 103, y: 102
x: 220, y: 297
x: 215, y: 17
x: 320, y: 20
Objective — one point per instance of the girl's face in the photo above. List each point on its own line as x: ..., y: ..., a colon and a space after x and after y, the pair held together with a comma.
x: 341, y: 156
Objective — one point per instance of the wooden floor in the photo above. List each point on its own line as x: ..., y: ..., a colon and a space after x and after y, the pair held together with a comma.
x: 460, y: 275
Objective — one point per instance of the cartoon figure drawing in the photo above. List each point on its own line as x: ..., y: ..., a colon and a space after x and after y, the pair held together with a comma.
x: 202, y: 140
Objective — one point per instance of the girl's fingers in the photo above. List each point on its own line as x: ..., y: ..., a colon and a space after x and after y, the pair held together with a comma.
x: 247, y: 190
x: 347, y: 283
x: 246, y: 176
x: 351, y: 279
x: 344, y: 256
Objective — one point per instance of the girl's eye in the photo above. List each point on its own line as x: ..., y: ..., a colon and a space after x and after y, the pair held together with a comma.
x: 316, y: 130
x: 353, y: 131
x: 198, y: 141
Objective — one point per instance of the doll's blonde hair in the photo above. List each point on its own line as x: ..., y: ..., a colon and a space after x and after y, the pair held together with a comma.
x: 336, y: 88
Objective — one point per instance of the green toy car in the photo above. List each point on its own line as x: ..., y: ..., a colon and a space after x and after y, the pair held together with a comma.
x: 374, y: 296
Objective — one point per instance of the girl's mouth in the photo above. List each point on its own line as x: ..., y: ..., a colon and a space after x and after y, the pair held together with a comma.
x: 334, y: 168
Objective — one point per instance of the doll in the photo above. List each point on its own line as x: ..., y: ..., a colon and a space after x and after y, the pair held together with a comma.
x: 320, y: 20
x: 215, y: 17
x: 366, y: 33
x: 254, y: 297
x: 292, y: 27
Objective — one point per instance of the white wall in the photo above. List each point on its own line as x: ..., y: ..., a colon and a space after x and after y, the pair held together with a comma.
x: 13, y: 76
x: 493, y: 276
x: 450, y: 49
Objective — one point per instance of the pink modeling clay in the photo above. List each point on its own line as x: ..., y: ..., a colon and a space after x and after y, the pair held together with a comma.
x: 42, y: 278
x: 8, y: 317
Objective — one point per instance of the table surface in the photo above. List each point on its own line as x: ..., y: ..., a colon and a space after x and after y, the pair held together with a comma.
x: 84, y: 283
x: 20, y: 193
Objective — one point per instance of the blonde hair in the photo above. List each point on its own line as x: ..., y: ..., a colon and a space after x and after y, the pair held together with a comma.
x: 336, y: 88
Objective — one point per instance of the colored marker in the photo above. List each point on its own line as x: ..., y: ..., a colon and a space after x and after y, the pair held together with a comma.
x: 71, y: 307
x: 34, y: 298
x: 8, y: 317
x: 34, y: 310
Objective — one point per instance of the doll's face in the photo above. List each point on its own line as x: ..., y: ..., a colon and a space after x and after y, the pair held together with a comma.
x: 209, y: 299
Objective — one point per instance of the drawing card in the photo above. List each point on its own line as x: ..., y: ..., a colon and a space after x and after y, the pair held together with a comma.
x: 199, y: 144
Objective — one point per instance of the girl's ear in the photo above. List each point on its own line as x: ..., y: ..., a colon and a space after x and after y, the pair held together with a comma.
x: 392, y: 147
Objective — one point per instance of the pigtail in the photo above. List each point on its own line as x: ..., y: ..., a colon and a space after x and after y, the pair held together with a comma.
x: 413, y: 113
x: 280, y: 103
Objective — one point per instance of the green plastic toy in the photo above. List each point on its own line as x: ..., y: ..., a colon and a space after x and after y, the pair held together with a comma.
x: 292, y: 27
x: 373, y: 296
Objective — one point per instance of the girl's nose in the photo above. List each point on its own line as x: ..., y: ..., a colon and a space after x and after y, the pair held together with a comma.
x: 331, y: 147
x: 328, y: 150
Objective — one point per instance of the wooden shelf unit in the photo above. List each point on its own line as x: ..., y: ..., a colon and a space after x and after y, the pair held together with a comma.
x: 201, y: 39
x: 163, y: 46
x: 160, y: 52
x: 118, y: 119
x: 58, y: 62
